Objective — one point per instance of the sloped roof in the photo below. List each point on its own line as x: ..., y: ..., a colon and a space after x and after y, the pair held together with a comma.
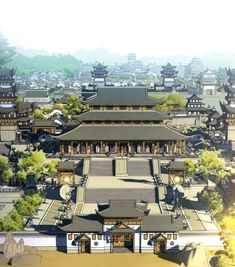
x: 194, y: 97
x: 121, y: 132
x: 122, y: 116
x: 36, y: 93
x: 122, y: 96
x: 84, y: 224
x: 177, y: 165
x: 161, y: 223
x: 122, y: 209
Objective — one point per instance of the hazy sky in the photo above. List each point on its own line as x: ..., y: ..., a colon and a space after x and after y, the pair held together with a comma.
x: 147, y: 27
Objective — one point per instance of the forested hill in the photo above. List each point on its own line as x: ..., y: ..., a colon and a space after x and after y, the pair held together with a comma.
x: 45, y: 63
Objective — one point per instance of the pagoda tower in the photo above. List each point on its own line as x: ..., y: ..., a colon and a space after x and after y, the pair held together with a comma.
x: 168, y: 73
x: 99, y: 75
x: 12, y: 114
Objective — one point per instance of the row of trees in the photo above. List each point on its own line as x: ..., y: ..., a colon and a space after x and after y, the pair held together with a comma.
x: 23, y: 208
x: 34, y: 163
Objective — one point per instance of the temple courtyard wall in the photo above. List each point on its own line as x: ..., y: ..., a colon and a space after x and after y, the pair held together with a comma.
x: 59, y: 242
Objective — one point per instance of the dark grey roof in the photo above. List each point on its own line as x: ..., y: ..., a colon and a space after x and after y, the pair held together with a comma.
x: 6, y: 90
x: 122, y: 96
x: 161, y: 223
x: 43, y: 123
x: 122, y: 209
x: 66, y: 166
x: 194, y: 97
x: 36, y: 93
x: 122, y: 116
x: 121, y: 132
x: 177, y: 165
x: 25, y: 107
x: 7, y: 72
x: 84, y: 224
x: 229, y: 109
x: 6, y: 110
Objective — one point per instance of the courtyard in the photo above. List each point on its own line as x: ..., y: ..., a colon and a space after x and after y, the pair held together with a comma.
x: 59, y: 259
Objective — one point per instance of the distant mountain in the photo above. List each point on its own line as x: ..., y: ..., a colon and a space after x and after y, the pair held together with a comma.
x: 175, y: 60
x: 65, y: 63
x: 31, y: 52
x: 211, y: 61
x: 101, y: 55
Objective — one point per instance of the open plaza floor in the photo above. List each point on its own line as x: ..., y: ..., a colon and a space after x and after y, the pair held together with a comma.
x: 59, y: 259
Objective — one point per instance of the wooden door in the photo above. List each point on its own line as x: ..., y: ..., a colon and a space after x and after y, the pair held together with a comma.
x: 85, y: 246
x: 119, y: 241
x: 160, y: 245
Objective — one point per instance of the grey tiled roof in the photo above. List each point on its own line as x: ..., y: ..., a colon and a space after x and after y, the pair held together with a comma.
x: 36, y: 93
x: 44, y: 123
x: 6, y: 110
x: 122, y: 209
x: 121, y: 132
x: 122, y: 116
x: 84, y: 224
x: 177, y: 165
x: 66, y: 166
x: 161, y: 223
x: 122, y: 96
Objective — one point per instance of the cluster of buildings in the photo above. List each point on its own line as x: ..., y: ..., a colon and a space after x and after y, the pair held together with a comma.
x: 112, y: 155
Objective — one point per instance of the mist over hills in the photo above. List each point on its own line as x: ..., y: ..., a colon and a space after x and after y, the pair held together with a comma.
x: 101, y: 54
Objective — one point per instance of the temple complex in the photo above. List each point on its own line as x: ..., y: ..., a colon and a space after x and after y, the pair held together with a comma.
x: 122, y: 120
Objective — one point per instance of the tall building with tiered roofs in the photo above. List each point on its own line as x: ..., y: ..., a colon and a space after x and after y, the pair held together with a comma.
x: 169, y: 74
x: 99, y: 75
x: 12, y: 114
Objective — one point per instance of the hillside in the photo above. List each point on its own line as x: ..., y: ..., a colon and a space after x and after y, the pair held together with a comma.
x: 24, y: 65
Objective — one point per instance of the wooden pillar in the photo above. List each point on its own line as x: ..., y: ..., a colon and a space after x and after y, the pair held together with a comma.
x: 71, y: 151
x: 143, y: 150
x: 129, y: 147
x: 157, y: 145
x: 116, y: 148
x: 101, y: 147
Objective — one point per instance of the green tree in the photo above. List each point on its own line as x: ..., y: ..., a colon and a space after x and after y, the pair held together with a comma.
x: 222, y: 260
x: 172, y: 102
x: 212, y: 200
x: 209, y: 163
x: 6, y: 52
x: 34, y: 163
x: 74, y: 105
x: 52, y: 166
x: 5, y: 170
x: 46, y: 110
x: 191, y: 165
x: 38, y: 114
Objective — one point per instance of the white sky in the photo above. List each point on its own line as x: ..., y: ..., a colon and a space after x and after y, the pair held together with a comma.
x: 147, y: 27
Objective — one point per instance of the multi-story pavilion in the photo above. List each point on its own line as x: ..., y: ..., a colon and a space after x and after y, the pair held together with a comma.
x: 12, y: 115
x: 122, y: 120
